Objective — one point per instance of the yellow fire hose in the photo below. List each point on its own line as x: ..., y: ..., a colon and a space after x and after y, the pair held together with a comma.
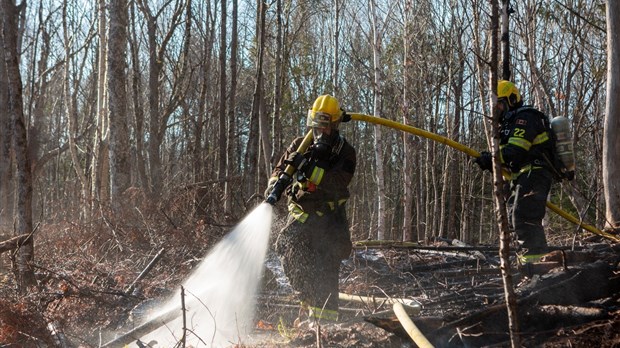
x: 412, y: 330
x: 409, y: 305
x: 473, y: 153
x: 286, y: 177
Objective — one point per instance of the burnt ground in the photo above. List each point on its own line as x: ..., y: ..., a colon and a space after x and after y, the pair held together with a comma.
x: 570, y: 300
x: 453, y: 285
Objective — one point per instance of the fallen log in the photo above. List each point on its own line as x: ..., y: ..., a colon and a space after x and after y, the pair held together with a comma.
x: 146, y: 270
x: 548, y: 302
x: 147, y: 327
x: 489, y: 325
x: 14, y: 243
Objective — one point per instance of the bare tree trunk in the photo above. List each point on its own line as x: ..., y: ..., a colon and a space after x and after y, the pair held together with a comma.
x: 23, y: 215
x: 221, y: 172
x: 452, y: 169
x: 39, y: 97
x: 498, y: 192
x: 446, y: 186
x: 255, y: 139
x: 205, y: 88
x: 72, y: 117
x: 6, y: 164
x: 278, y: 82
x: 264, y: 165
x: 532, y: 49
x: 380, y: 175
x: 99, y: 173
x: 611, y: 139
x: 231, y: 163
x: 117, y: 82
x: 158, y: 117
x: 336, y: 40
x: 155, y: 64
x: 505, y: 40
x: 407, y: 138
x: 136, y: 94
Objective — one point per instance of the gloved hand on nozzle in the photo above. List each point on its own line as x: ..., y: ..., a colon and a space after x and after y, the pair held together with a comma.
x: 270, y: 185
x: 485, y: 161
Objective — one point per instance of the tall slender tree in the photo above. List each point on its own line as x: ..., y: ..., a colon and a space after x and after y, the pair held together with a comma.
x: 99, y: 164
x: 231, y: 163
x: 407, y: 138
x: 5, y: 142
x: 377, y: 101
x: 70, y: 101
x: 117, y: 101
x: 221, y: 172
x: 611, y: 138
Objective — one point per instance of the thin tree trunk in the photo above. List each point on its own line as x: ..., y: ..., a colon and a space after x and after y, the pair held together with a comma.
x: 611, y: 139
x: 221, y: 172
x: 498, y: 192
x: 277, y: 86
x: 231, y: 159
x: 6, y: 164
x: 72, y: 117
x: 138, y: 110
x: 99, y: 173
x: 205, y: 90
x: 453, y: 167
x: 158, y: 117
x: 407, y: 138
x: 155, y: 166
x: 264, y: 165
x: 377, y: 83
x: 336, y: 40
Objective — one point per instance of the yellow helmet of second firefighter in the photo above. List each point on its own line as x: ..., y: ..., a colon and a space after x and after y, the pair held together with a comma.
x: 325, y: 112
x: 508, y: 90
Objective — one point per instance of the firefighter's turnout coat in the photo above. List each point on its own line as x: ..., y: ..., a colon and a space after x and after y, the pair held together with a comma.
x: 316, y: 237
x: 524, y: 144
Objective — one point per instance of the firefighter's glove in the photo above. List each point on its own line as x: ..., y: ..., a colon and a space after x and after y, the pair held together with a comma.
x: 485, y: 162
x: 270, y: 185
x: 296, y: 160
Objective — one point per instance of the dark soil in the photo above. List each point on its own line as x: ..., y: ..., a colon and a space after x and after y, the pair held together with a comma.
x: 84, y: 272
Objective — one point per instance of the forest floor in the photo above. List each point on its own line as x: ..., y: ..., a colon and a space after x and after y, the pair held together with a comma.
x: 84, y: 276
x: 449, y: 286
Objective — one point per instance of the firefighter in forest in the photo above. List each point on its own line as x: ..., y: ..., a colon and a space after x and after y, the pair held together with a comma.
x: 316, y: 237
x: 524, y: 149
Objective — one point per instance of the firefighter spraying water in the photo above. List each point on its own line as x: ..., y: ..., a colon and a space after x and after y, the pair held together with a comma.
x: 314, y: 174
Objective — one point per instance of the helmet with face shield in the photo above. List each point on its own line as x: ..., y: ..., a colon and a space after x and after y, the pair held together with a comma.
x: 508, y: 92
x: 324, y: 116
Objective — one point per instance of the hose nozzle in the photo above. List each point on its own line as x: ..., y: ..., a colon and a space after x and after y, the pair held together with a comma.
x: 283, y: 181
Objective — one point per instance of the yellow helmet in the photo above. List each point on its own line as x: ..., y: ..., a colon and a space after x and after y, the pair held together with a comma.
x: 325, y: 112
x: 508, y: 90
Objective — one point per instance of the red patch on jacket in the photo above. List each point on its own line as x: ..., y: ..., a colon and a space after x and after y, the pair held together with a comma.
x: 521, y: 122
x: 311, y: 187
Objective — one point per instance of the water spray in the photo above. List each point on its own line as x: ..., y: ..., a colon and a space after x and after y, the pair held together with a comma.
x: 220, y: 294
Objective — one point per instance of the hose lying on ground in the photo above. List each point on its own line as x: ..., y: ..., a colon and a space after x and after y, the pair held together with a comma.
x: 412, y: 330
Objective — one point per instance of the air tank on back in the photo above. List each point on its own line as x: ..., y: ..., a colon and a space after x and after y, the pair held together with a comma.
x: 564, y: 143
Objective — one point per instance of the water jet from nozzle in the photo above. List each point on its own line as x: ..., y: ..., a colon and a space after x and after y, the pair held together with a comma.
x: 220, y: 299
